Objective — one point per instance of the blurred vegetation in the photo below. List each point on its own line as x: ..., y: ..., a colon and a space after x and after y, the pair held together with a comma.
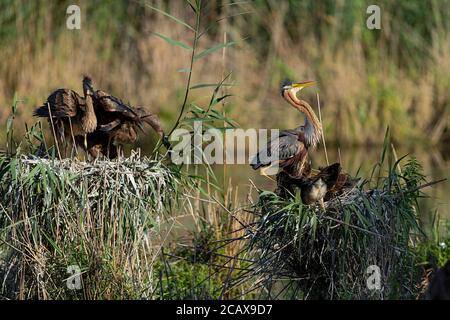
x: 367, y: 78
x: 437, y: 249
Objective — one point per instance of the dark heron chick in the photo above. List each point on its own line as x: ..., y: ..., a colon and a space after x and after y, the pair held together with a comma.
x: 314, y: 189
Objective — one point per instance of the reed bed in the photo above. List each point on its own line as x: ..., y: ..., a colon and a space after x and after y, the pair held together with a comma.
x: 102, y: 217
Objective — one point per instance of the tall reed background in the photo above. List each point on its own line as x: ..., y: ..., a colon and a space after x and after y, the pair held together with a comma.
x: 367, y: 78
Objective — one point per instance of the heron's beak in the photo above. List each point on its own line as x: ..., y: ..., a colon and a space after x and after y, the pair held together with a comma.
x: 301, y: 85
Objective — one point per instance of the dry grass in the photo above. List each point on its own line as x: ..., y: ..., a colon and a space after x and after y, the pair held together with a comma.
x: 103, y: 217
x: 207, y: 249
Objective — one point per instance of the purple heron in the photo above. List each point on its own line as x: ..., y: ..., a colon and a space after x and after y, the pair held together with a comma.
x: 292, y: 145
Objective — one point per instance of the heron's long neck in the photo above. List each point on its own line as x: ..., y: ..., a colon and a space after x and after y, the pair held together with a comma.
x: 89, y: 121
x: 313, y: 128
x: 154, y: 122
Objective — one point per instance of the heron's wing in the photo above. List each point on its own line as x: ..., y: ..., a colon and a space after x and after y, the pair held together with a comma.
x: 110, y: 126
x: 62, y: 103
x: 287, y: 146
x: 109, y: 103
x: 153, y: 120
x: 284, y: 147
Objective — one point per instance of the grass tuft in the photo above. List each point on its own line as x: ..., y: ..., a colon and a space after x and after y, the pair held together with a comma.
x: 102, y: 217
x: 309, y: 252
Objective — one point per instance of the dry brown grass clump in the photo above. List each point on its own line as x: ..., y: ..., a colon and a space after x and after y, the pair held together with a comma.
x: 102, y: 217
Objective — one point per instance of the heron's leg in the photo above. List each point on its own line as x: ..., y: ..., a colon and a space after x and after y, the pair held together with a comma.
x: 62, y: 138
x: 74, y: 144
x: 67, y: 147
x: 59, y: 124
x: 322, y: 204
x: 85, y: 148
x: 85, y: 141
x: 64, y: 149
x: 108, y: 149
x: 120, y: 150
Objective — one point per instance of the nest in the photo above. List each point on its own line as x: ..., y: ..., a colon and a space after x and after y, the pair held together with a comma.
x: 96, y: 215
x: 135, y: 179
x: 311, y: 252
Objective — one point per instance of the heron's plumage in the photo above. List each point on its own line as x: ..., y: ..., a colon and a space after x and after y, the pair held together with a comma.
x: 291, y: 146
x: 98, y: 122
x: 119, y: 123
